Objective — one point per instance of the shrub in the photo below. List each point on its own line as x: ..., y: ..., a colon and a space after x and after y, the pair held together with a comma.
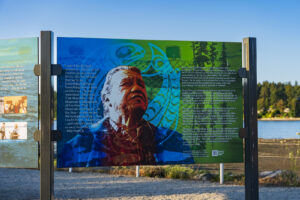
x: 158, y: 172
x: 178, y: 172
x: 294, y: 160
x: 286, y: 178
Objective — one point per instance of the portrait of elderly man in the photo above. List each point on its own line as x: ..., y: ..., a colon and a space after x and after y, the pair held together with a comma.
x: 2, y: 131
x: 123, y: 137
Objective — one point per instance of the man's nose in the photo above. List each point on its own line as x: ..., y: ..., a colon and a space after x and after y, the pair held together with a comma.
x: 135, y: 87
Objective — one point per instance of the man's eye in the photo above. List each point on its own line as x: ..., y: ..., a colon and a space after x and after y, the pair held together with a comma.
x: 126, y: 83
x: 141, y: 83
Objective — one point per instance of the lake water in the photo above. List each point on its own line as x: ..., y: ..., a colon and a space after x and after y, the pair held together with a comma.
x: 271, y: 129
x: 278, y: 129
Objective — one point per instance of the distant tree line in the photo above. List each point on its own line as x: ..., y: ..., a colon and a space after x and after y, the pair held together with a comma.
x: 278, y: 100
x: 273, y: 100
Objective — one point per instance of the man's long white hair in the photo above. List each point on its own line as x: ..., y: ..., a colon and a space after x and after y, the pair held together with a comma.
x: 106, y: 90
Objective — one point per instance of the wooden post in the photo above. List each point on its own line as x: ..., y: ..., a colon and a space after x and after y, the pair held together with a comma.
x: 250, y: 114
x: 46, y: 146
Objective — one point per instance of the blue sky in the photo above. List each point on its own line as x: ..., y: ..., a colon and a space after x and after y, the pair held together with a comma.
x: 275, y: 24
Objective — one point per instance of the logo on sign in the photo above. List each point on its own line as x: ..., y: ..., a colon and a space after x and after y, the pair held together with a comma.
x: 217, y: 153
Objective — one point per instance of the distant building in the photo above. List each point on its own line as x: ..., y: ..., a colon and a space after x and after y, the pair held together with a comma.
x: 286, y: 110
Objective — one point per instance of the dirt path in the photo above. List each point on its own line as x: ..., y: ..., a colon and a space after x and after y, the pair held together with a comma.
x: 24, y: 184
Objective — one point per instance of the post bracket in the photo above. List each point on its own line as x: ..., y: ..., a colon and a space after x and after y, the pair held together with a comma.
x: 55, y: 135
x: 243, y: 133
x: 243, y: 73
x: 37, y: 135
x: 56, y: 69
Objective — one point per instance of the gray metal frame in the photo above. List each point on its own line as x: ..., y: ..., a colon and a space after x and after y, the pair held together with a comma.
x: 46, y: 146
x: 45, y: 137
x: 250, y: 118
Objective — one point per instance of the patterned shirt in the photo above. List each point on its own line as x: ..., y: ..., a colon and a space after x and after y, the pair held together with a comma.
x: 103, y: 145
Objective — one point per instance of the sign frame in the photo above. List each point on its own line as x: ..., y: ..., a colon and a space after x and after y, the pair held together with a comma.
x: 250, y: 115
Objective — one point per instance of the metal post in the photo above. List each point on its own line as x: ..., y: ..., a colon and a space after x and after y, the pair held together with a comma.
x: 137, y: 171
x: 46, y: 146
x: 221, y: 173
x: 250, y: 114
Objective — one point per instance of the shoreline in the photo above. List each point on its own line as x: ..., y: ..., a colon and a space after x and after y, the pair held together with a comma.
x: 279, y: 119
x: 277, y: 140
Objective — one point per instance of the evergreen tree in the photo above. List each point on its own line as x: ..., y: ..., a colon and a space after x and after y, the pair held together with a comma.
x: 274, y: 98
x: 200, y: 53
x: 212, y: 56
x: 273, y: 94
x: 224, y: 66
x: 223, y: 58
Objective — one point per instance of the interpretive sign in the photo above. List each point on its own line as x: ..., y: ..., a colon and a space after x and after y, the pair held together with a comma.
x: 18, y: 103
x: 148, y: 102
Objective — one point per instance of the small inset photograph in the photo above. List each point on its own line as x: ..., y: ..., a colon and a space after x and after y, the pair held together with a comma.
x: 15, y: 105
x: 15, y: 130
x: 2, y: 131
x: 1, y: 105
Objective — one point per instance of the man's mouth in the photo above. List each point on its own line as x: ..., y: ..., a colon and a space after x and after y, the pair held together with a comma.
x: 137, y: 97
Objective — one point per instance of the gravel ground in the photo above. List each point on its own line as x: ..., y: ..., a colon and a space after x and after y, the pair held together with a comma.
x: 25, y: 183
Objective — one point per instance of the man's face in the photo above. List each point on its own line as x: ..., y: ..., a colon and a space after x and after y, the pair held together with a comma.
x: 128, y: 95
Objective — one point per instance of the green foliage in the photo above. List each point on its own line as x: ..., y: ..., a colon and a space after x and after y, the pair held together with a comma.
x: 158, y: 172
x: 236, y: 178
x: 278, y: 100
x: 230, y: 178
x: 293, y: 157
x: 286, y: 178
x: 174, y: 172
x: 178, y: 172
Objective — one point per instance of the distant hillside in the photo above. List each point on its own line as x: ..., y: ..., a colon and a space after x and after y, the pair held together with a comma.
x: 278, y: 100
x: 273, y: 100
